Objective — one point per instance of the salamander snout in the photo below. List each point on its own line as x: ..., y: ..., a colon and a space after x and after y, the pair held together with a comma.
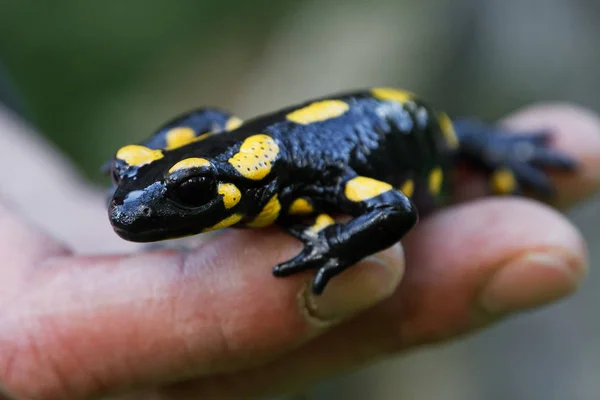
x: 135, y: 214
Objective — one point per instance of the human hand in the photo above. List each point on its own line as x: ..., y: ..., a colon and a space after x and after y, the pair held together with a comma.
x: 213, y: 322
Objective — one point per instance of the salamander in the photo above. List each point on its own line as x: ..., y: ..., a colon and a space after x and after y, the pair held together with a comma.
x: 381, y: 156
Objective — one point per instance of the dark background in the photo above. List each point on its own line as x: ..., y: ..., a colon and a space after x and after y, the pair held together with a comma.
x: 93, y: 76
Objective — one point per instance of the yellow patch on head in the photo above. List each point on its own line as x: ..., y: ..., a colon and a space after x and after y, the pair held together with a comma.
x: 362, y: 188
x: 231, y: 194
x: 321, y: 222
x: 233, y: 123
x: 408, y: 188
x: 318, y: 111
x: 231, y: 220
x: 268, y: 215
x: 256, y: 156
x: 179, y: 136
x: 448, y: 130
x: 401, y: 96
x: 135, y: 155
x: 300, y: 207
x: 436, y: 177
x: 188, y: 163
x: 503, y: 181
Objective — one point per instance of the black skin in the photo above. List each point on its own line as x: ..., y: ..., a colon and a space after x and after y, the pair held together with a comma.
x: 384, y: 140
x: 202, y: 120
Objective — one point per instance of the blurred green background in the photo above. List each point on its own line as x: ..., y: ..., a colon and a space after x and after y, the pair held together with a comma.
x: 93, y: 76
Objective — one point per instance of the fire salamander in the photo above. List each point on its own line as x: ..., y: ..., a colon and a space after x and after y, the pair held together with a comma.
x: 380, y: 156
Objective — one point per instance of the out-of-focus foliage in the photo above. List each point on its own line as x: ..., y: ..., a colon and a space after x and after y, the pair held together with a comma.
x: 73, y: 61
x: 96, y: 75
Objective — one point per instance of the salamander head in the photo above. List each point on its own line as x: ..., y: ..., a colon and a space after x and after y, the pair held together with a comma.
x: 165, y: 198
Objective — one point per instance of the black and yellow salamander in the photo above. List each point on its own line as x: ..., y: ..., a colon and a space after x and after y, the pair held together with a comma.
x: 380, y: 156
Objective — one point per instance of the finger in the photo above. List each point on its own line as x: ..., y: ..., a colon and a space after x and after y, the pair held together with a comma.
x: 575, y: 132
x: 46, y: 189
x: 83, y: 326
x: 469, y: 265
x: 21, y: 246
x: 501, y: 255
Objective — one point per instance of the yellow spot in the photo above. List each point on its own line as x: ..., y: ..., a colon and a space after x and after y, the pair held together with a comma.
x: 408, y: 188
x: 190, y: 163
x: 233, y: 123
x: 322, y: 222
x: 436, y: 176
x: 231, y: 220
x: 401, y: 96
x: 300, y: 207
x: 268, y: 215
x: 318, y: 111
x: 362, y: 188
x: 448, y: 130
x: 256, y: 156
x: 231, y: 194
x: 136, y: 155
x: 503, y: 181
x: 179, y: 136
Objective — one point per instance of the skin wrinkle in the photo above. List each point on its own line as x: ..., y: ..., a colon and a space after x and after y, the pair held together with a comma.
x: 49, y: 323
x: 181, y: 263
x: 186, y: 266
x: 31, y: 349
x: 100, y: 280
x: 62, y: 384
x: 208, y: 259
x: 270, y: 384
x: 62, y: 379
x: 177, y: 300
x: 189, y: 265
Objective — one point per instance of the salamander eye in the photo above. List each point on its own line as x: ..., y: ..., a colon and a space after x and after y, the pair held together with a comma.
x: 194, y: 192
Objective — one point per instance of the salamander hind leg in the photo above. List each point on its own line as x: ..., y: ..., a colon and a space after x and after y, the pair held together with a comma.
x: 515, y: 162
x: 381, y: 217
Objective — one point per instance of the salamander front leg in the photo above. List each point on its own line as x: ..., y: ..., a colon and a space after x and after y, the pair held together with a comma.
x: 382, y: 216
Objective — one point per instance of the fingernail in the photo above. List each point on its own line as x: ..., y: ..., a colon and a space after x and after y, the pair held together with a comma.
x: 359, y: 287
x: 532, y: 280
